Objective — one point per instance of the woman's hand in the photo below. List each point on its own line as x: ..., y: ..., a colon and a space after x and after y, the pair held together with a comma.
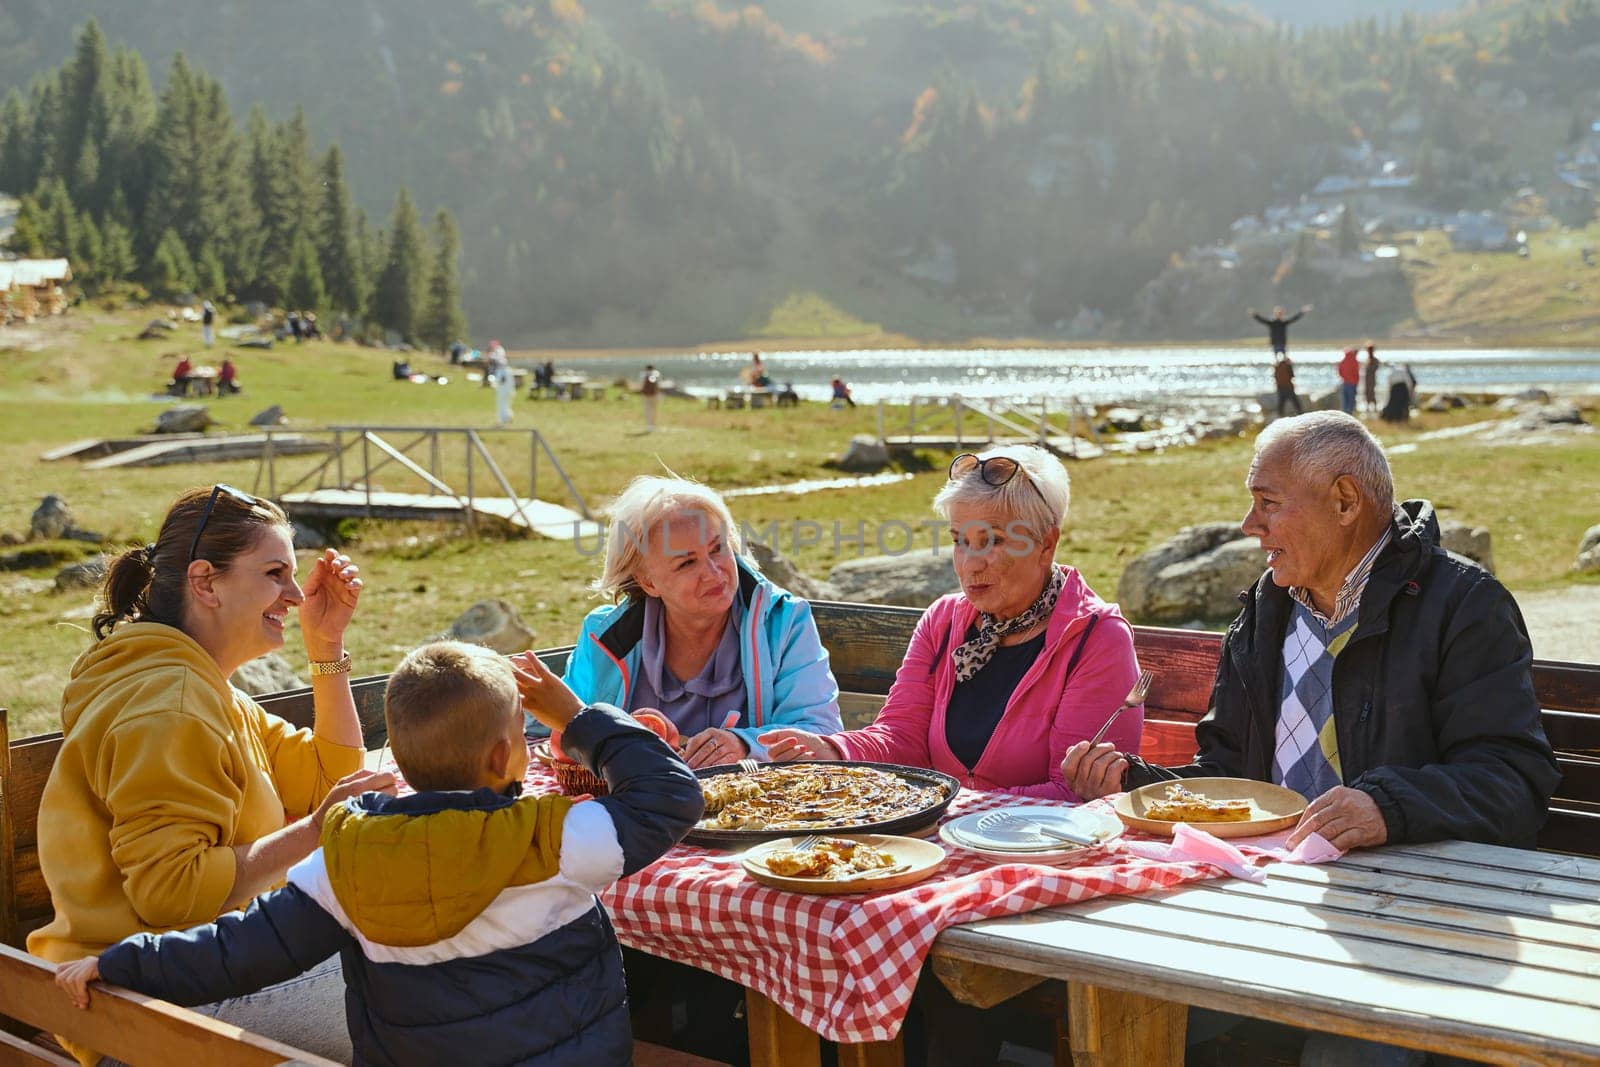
x: 1093, y: 772
x: 74, y: 978
x: 787, y: 744
x: 353, y: 785
x: 544, y: 695
x: 708, y: 748
x: 331, y: 590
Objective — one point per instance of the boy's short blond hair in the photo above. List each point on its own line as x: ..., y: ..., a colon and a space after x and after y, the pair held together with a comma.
x: 446, y: 706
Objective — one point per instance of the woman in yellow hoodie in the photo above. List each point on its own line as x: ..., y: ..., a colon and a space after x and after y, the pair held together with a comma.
x: 175, y: 797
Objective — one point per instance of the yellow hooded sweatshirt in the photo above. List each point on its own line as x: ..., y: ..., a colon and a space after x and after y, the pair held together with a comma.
x: 164, y: 767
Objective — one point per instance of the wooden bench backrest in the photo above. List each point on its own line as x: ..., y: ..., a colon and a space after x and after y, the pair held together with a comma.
x: 24, y: 768
x: 129, y: 1027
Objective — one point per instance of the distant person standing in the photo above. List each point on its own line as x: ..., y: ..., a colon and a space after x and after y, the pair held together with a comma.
x: 1402, y: 391
x: 499, y: 375
x: 1349, y: 380
x: 208, y: 319
x: 1370, y: 378
x: 1278, y: 328
x: 1283, y: 378
x: 650, y: 395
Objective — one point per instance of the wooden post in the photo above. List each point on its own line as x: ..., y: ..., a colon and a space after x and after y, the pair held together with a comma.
x: 472, y: 514
x: 955, y: 402
x: 338, y: 452
x: 272, y: 479
x: 778, y: 1039
x: 911, y: 426
x: 1044, y: 423
x: 880, y: 422
x: 366, y: 470
x: 533, y: 464
x: 1112, y: 1029
x: 433, y: 452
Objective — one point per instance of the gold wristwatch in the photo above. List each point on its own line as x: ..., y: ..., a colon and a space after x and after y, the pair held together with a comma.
x: 320, y: 668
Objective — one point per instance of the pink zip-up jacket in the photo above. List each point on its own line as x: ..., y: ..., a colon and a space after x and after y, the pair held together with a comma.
x: 1046, y: 715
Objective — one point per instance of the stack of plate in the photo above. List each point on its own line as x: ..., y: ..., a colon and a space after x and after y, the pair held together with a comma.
x: 1002, y: 840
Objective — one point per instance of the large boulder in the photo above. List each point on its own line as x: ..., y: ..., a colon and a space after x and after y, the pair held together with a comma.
x: 494, y: 624
x: 1588, y: 561
x: 86, y: 574
x: 272, y: 416
x: 185, y: 418
x: 1196, y: 575
x: 865, y: 454
x: 267, y: 674
x: 915, y: 579
x: 1543, y: 416
x: 782, y: 572
x: 1472, y: 542
x: 51, y: 519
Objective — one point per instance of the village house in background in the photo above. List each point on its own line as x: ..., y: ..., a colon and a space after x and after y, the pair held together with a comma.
x: 30, y: 288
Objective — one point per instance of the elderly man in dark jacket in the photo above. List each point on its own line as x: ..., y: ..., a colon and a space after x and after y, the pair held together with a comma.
x: 1370, y: 669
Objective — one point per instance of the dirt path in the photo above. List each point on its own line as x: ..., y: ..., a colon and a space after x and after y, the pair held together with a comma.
x: 1564, y: 623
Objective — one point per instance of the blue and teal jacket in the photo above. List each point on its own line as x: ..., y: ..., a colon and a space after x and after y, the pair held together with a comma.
x: 466, y: 922
x: 787, y: 680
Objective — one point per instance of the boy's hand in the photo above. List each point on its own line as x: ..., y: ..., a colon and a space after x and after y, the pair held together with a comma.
x: 74, y: 978
x: 353, y: 785
x: 544, y: 695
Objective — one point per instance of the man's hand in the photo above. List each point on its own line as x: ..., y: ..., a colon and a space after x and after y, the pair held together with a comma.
x: 787, y: 743
x: 1347, y: 818
x: 712, y: 747
x: 74, y: 978
x: 1093, y: 772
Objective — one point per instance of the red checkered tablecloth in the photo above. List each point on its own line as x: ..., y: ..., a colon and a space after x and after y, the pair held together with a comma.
x: 846, y: 966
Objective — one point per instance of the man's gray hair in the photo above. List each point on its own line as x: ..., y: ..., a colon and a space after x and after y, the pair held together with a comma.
x: 1039, y: 512
x: 1331, y: 444
x: 640, y: 513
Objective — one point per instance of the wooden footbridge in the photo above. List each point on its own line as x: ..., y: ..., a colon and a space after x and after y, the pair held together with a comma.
x: 343, y: 485
x: 955, y: 424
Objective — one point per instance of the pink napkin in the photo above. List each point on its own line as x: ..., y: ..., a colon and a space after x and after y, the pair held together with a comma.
x: 1242, y: 860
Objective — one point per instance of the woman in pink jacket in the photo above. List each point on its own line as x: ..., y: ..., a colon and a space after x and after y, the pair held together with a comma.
x: 1003, y: 677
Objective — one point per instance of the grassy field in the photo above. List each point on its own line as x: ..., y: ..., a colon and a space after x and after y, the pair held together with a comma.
x: 84, y: 376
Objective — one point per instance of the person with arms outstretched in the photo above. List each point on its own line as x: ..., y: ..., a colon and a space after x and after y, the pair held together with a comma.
x: 1278, y: 327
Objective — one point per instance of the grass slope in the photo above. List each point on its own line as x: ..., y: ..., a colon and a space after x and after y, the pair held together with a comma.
x: 84, y: 376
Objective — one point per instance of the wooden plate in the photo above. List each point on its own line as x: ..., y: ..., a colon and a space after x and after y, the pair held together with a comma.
x: 1273, y: 807
x: 925, y: 858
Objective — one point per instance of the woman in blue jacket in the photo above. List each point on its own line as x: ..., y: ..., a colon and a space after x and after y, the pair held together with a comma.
x: 695, y: 631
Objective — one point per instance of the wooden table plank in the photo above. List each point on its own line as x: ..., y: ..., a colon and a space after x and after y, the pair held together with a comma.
x: 1340, y: 998
x: 1516, y: 859
x: 1339, y: 875
x: 1430, y: 954
x: 1455, y: 872
x: 1520, y: 927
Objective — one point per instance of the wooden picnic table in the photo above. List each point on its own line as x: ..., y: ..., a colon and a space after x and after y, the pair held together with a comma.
x: 1470, y: 950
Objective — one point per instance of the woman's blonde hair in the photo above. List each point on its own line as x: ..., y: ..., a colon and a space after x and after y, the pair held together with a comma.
x: 1038, y: 511
x: 647, y: 504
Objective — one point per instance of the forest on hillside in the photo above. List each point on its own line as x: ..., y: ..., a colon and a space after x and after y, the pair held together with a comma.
x: 669, y: 169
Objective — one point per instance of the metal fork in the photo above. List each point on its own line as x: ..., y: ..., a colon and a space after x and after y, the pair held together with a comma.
x: 1009, y: 820
x: 749, y: 766
x: 1135, y: 697
x: 808, y: 843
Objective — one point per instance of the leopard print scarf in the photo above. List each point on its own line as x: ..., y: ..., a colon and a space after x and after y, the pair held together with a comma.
x: 972, y: 656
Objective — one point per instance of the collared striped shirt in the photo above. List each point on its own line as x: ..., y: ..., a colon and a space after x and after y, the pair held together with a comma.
x: 1355, y: 583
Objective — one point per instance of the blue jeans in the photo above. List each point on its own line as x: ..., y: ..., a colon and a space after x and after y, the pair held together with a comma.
x: 1347, y: 398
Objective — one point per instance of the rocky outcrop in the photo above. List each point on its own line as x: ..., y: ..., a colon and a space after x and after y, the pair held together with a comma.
x: 915, y: 579
x: 87, y: 574
x: 51, y: 519
x: 185, y: 418
x: 1588, y: 561
x: 783, y: 573
x: 267, y: 674
x: 272, y: 416
x: 494, y: 624
x: 1472, y: 542
x: 865, y: 454
x: 1196, y: 575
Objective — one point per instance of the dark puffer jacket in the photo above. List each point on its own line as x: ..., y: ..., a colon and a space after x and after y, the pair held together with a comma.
x: 466, y: 921
x: 1433, y: 697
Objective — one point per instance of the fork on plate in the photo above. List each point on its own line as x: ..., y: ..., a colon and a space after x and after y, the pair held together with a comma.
x: 1135, y: 697
x: 1010, y: 820
x: 806, y: 844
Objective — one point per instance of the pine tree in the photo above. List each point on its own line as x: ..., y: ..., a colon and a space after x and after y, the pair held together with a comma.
x: 27, y: 236
x: 374, y: 247
x: 83, y: 105
x: 210, y: 277
x: 170, y: 271
x: 337, y: 246
x: 444, y: 322
x: 116, y: 251
x: 57, y: 217
x: 87, y: 252
x: 305, y: 276
x: 14, y: 130
x: 398, y: 301
x: 197, y: 178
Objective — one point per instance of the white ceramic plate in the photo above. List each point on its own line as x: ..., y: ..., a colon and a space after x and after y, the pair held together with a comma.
x: 977, y: 832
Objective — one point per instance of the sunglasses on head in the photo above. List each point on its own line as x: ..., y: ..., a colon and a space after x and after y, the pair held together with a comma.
x: 995, y: 471
x: 205, y: 514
